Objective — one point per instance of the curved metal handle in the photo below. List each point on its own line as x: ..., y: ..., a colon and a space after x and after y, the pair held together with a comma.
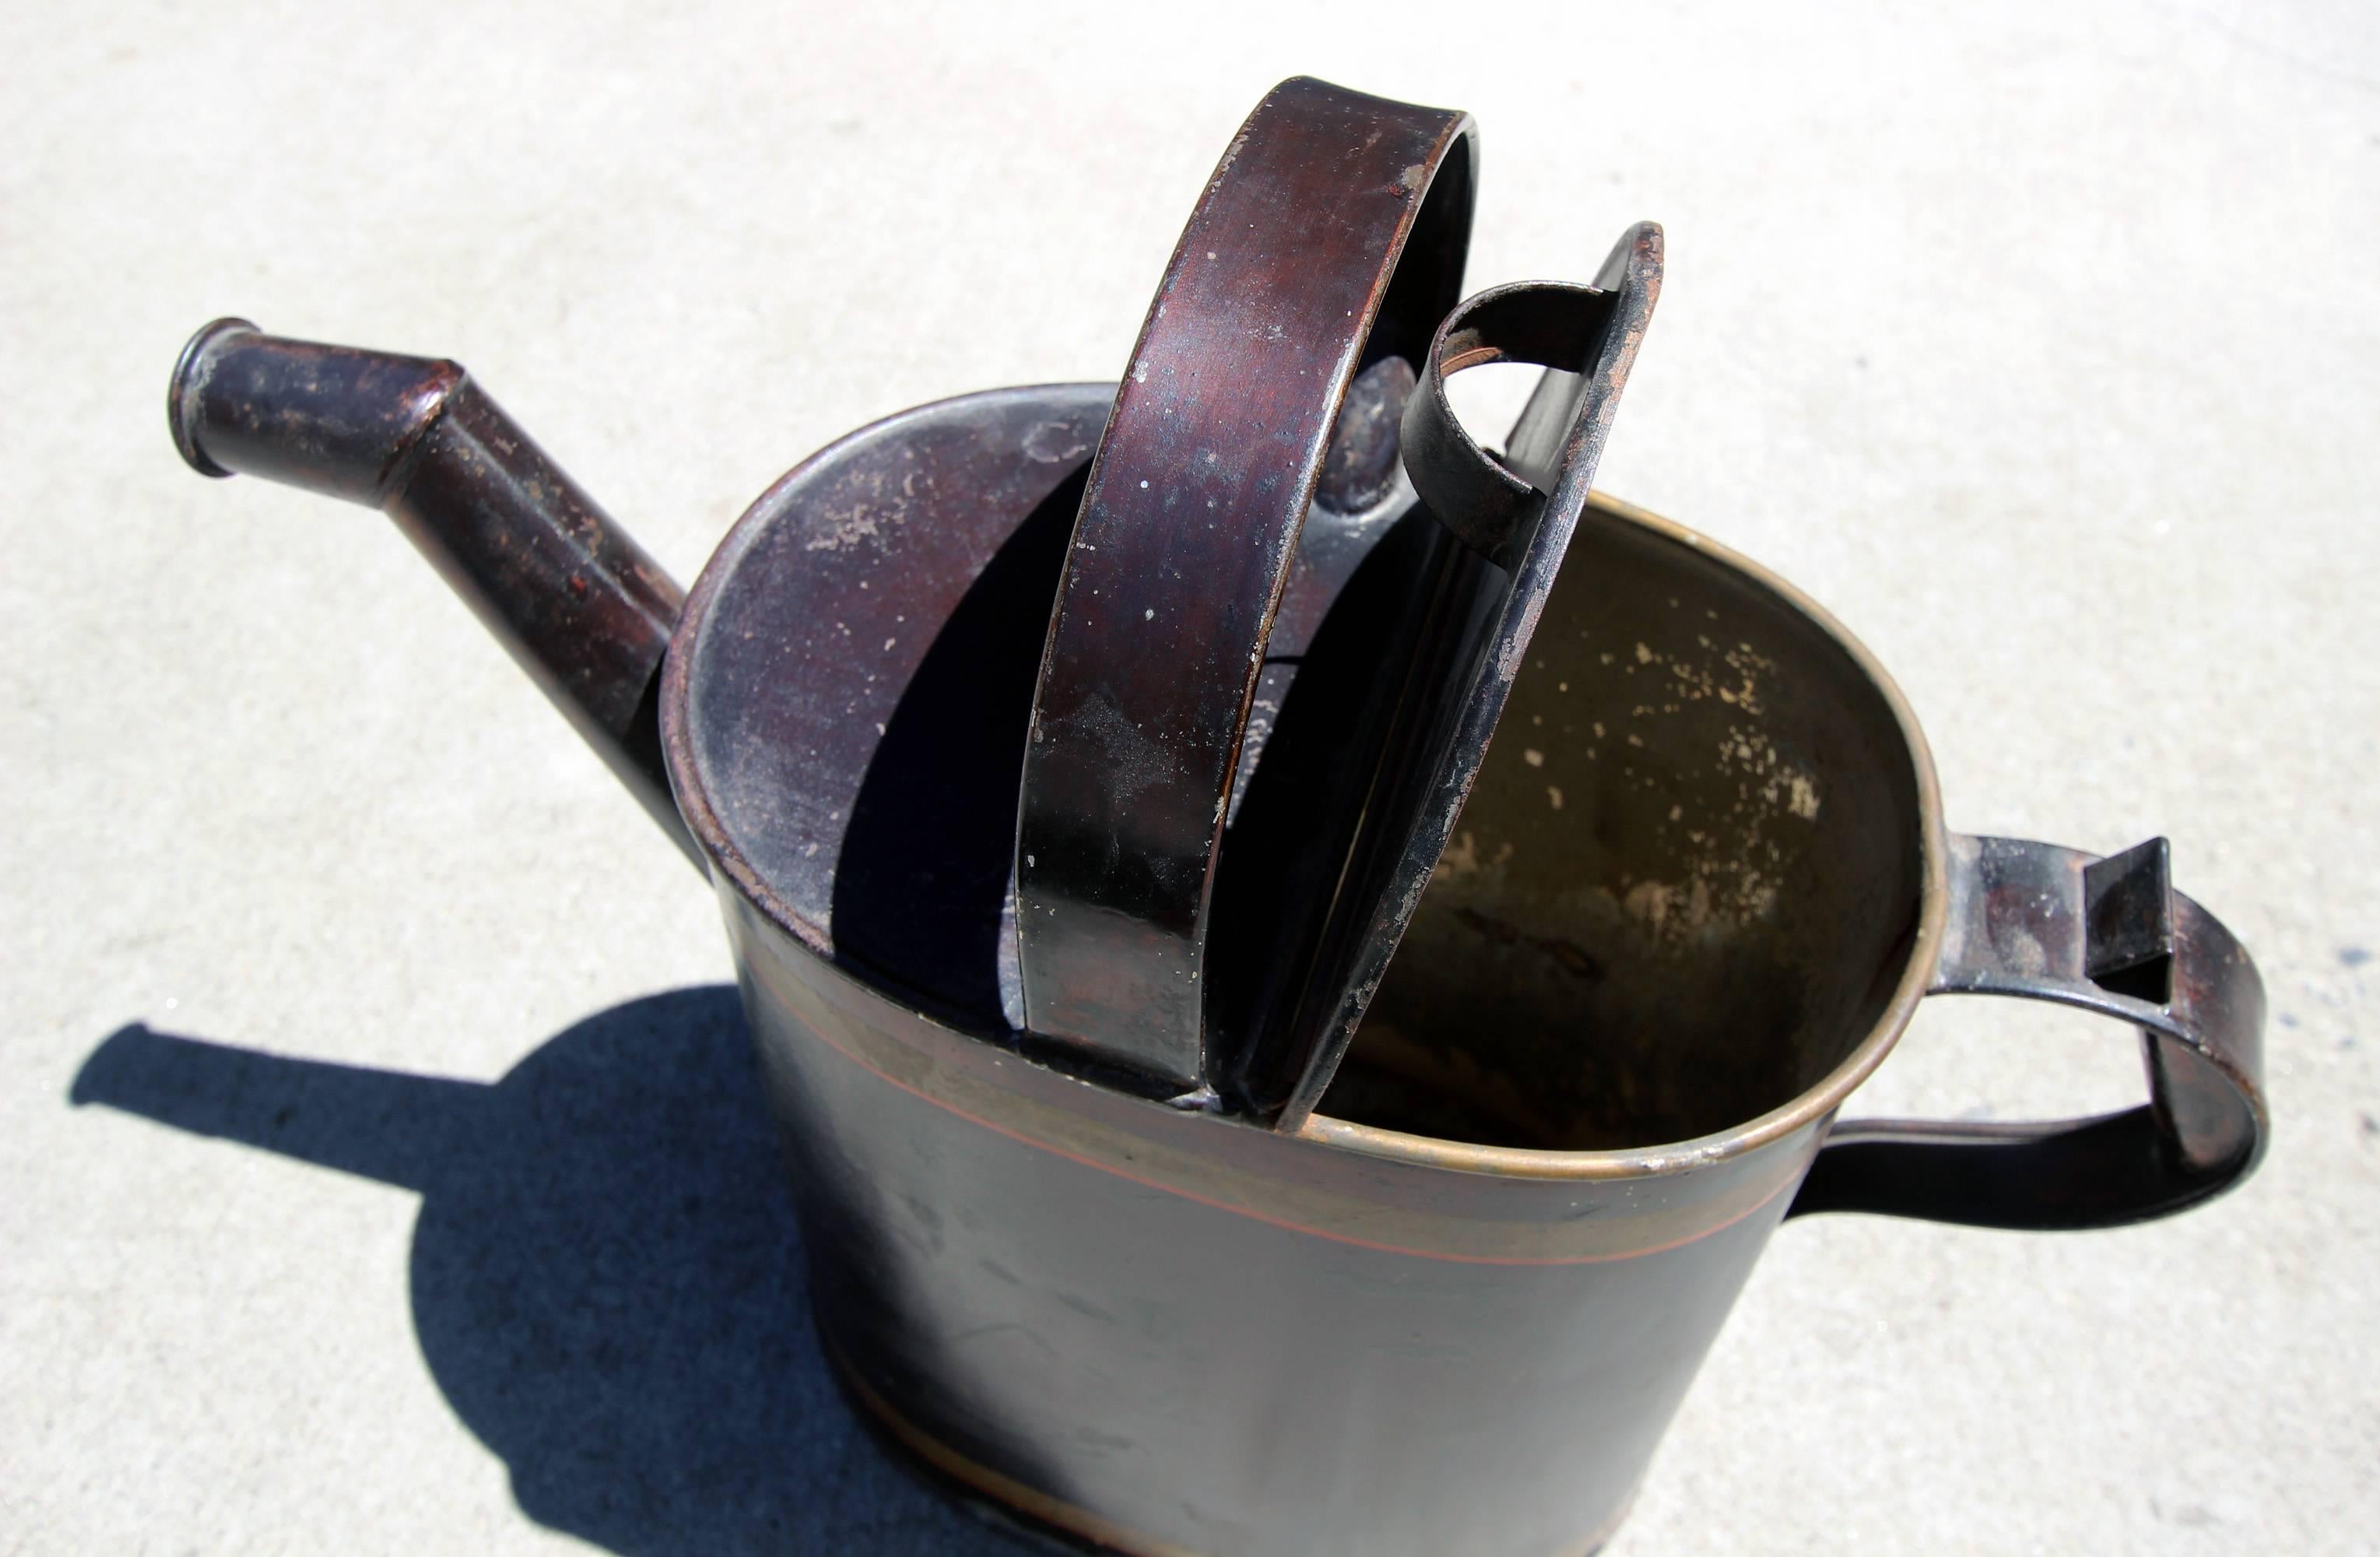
x: 1492, y: 502
x: 2106, y: 935
x: 1332, y: 236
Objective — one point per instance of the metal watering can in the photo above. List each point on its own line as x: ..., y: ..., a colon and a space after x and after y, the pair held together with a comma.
x: 1069, y: 762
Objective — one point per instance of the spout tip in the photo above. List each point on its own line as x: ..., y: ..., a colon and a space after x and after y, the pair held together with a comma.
x: 190, y: 379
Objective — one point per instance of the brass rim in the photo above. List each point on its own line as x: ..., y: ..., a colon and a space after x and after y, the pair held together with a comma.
x: 1056, y: 1513
x: 1004, y: 1489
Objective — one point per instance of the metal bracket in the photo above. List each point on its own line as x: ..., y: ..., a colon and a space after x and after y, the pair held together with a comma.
x: 2128, y: 922
x: 1491, y: 502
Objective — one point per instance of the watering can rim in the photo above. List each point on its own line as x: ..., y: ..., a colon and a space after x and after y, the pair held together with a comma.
x: 1811, y: 1106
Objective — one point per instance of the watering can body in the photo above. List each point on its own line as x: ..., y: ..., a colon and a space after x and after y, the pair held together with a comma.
x: 1157, y: 1327
x: 1444, y: 1293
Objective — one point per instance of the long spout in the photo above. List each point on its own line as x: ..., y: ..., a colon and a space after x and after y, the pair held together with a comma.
x: 581, y: 606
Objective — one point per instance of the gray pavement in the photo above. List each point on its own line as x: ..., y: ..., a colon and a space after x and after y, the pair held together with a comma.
x: 2043, y: 346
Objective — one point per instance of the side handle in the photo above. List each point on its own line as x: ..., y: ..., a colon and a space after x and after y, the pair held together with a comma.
x: 2105, y: 935
x: 580, y: 605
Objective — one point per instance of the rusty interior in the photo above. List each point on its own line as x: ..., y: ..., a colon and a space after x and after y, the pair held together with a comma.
x: 1683, y: 887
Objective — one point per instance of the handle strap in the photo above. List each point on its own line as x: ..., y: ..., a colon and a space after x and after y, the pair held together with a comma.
x: 2105, y: 935
x: 1333, y: 235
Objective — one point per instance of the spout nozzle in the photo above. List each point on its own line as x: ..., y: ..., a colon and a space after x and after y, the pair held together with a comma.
x: 183, y: 395
x: 330, y: 419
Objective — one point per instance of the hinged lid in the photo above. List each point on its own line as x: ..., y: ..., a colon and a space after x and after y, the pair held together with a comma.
x: 1232, y: 964
x: 1142, y: 762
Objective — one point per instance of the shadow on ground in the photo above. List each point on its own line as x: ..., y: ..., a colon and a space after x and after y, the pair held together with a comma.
x: 606, y: 1277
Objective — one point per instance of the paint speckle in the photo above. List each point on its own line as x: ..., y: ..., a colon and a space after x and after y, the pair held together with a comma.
x: 1149, y: 614
x: 2353, y: 957
x: 1553, y: 796
x: 1534, y: 758
x: 1051, y: 443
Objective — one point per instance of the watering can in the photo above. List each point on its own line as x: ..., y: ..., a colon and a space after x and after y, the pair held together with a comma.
x: 1234, y: 1104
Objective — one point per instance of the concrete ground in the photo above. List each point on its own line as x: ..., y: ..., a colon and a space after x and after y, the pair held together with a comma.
x: 2043, y: 345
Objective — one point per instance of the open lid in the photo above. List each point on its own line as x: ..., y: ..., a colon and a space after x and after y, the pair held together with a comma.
x: 1231, y: 964
x: 1383, y: 732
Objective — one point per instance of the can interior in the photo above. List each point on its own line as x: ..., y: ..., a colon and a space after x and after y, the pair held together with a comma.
x: 1683, y: 890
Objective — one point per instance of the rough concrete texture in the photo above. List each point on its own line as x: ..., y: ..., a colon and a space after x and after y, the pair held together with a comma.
x: 2043, y: 345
